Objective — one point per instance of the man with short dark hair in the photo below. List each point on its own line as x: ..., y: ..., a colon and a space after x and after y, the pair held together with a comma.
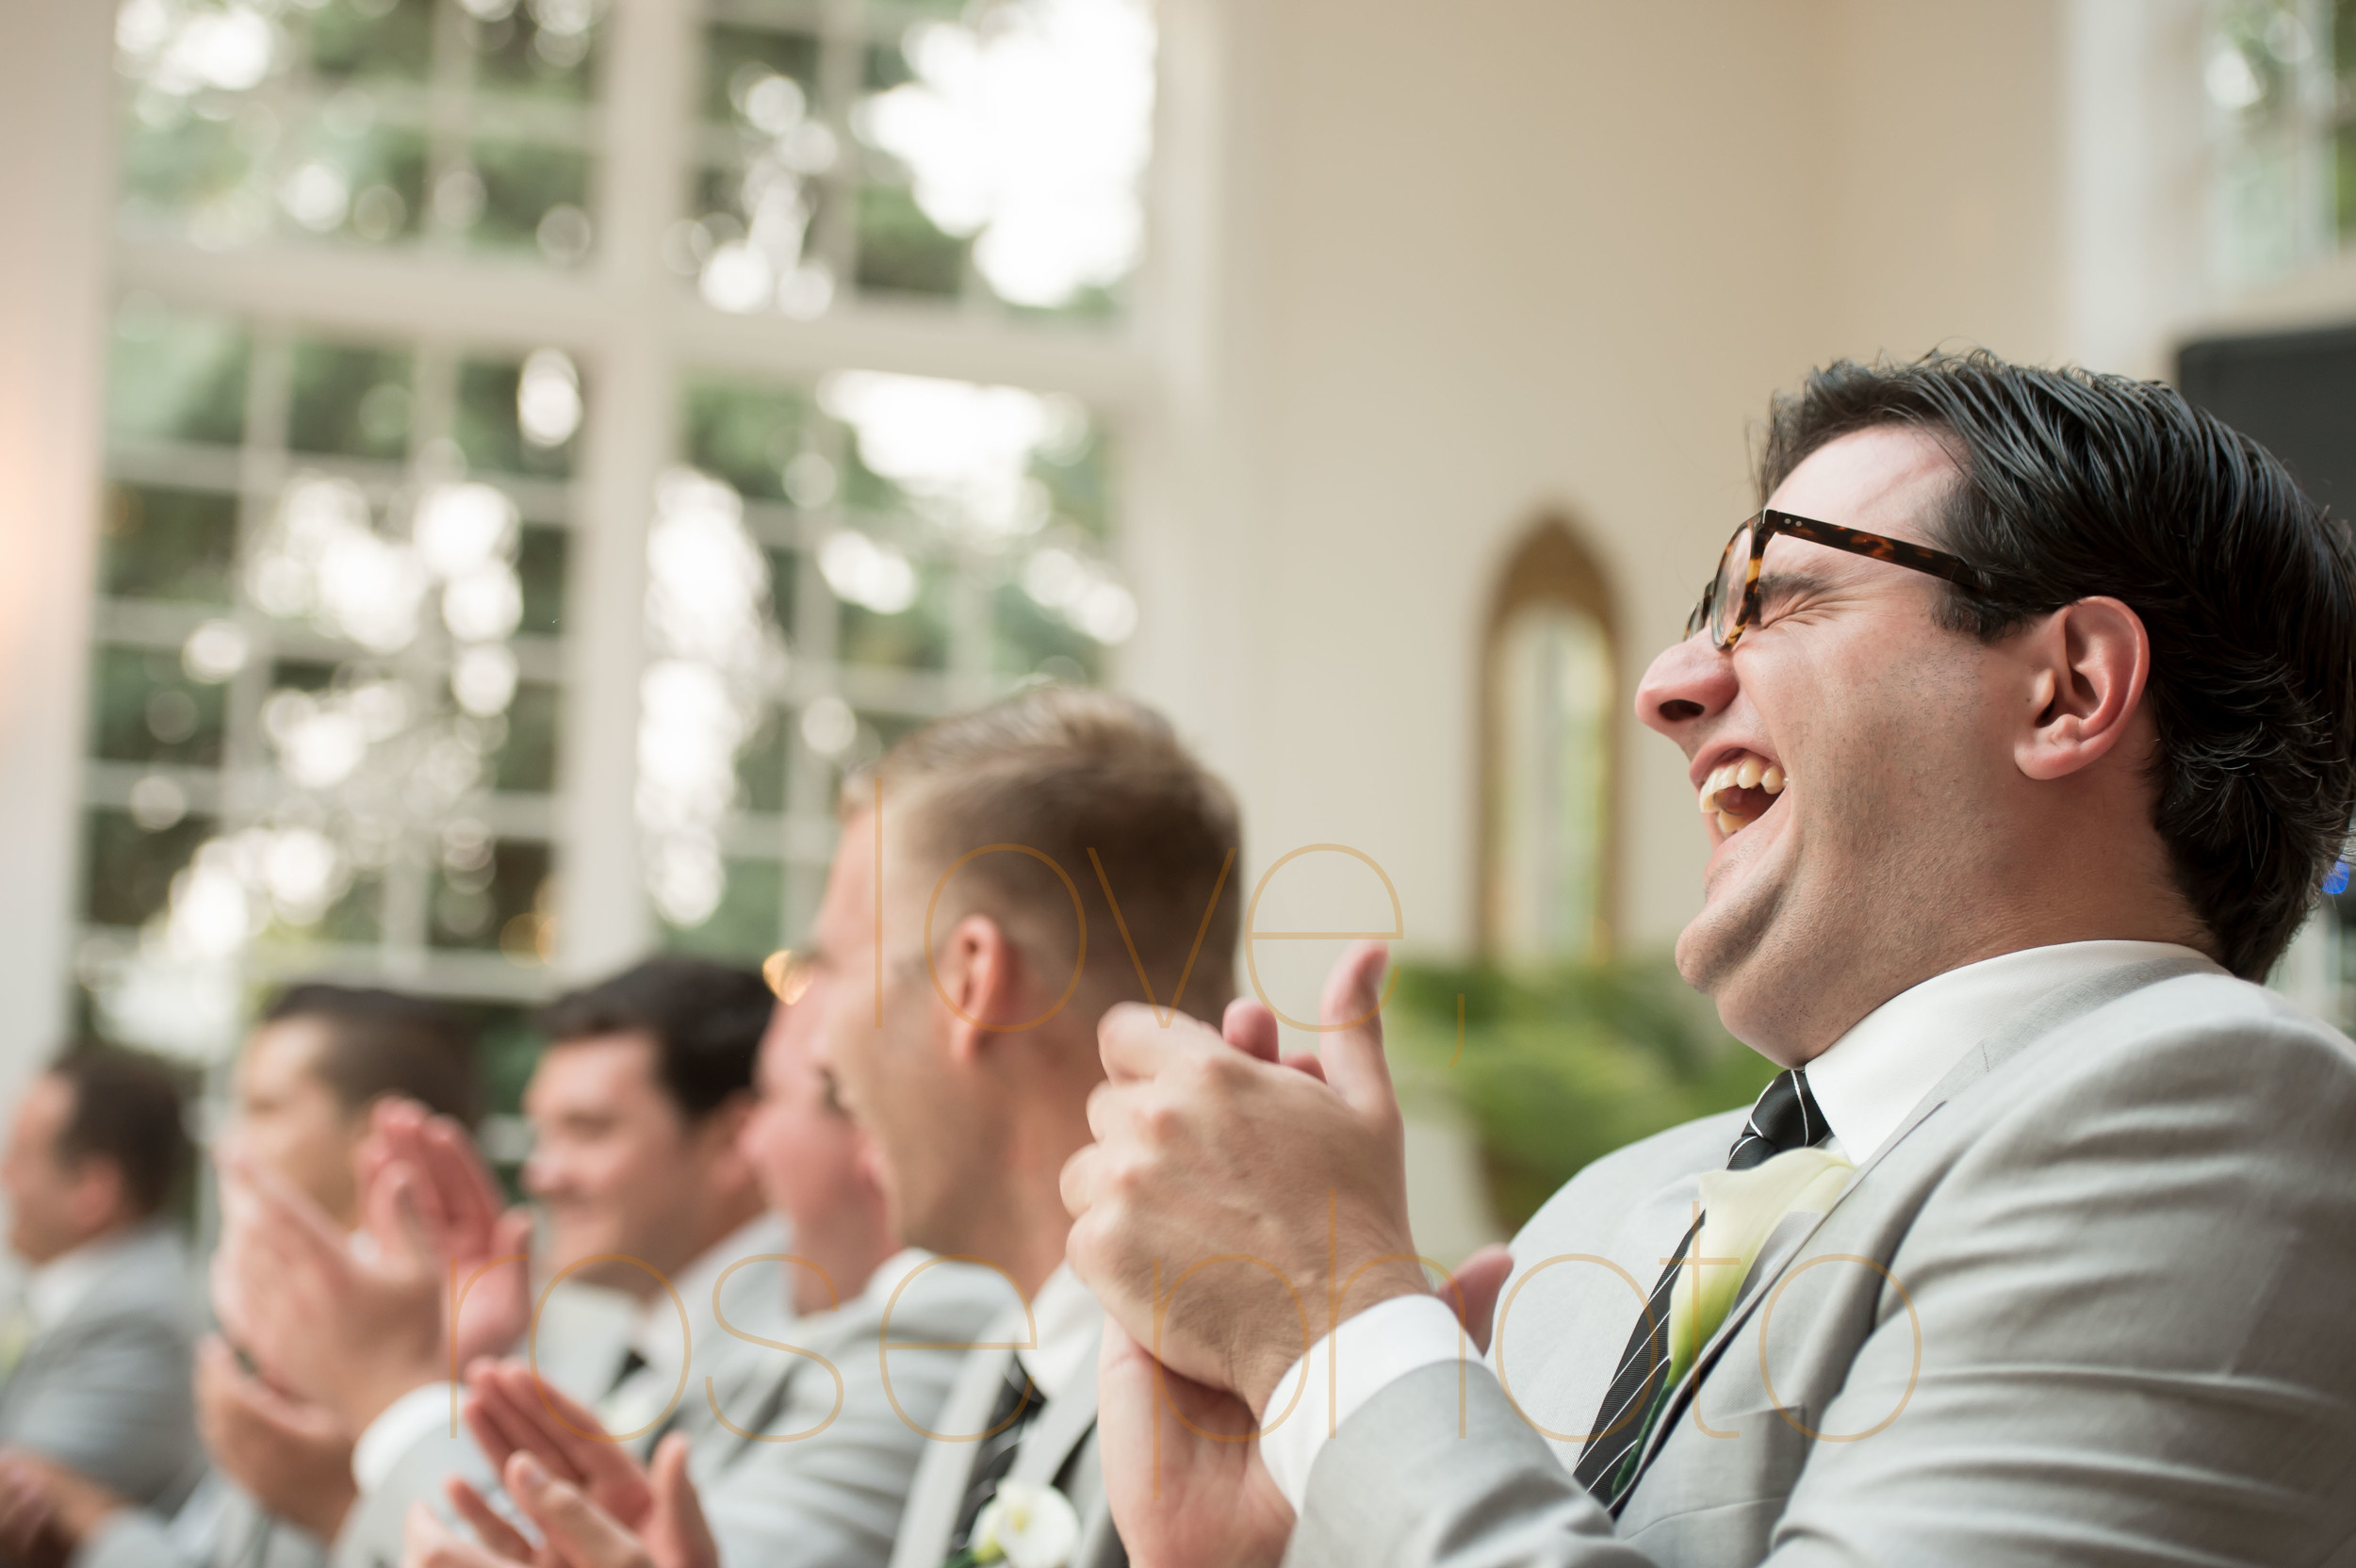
x: 94, y: 1365
x: 319, y: 1062
x: 2022, y: 721
x: 637, y: 1105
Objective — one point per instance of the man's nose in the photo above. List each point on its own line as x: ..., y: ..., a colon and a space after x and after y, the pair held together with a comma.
x: 1688, y: 682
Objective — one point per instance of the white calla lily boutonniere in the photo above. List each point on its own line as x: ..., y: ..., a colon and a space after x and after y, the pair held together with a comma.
x: 1025, y: 1526
x: 1741, y: 1209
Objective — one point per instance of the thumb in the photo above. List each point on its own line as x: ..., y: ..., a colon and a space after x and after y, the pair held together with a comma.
x: 512, y: 1236
x: 678, y: 1535
x: 1473, y: 1292
x: 389, y: 1211
x: 1350, y: 1018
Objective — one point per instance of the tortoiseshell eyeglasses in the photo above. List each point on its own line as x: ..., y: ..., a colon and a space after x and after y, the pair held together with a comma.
x: 1730, y: 606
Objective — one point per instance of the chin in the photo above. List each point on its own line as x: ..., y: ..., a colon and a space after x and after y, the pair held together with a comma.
x: 1718, y: 944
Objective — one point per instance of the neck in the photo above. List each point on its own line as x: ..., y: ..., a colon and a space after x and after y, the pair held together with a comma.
x: 718, y: 1223
x: 1021, y: 1225
x: 847, y: 1241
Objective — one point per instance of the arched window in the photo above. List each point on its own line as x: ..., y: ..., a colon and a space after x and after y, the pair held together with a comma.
x: 1549, y: 707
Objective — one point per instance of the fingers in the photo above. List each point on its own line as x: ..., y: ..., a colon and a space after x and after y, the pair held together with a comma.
x: 1308, y: 1062
x: 1350, y: 1016
x: 284, y: 1226
x: 1473, y: 1292
x: 391, y: 1211
x: 679, y: 1536
x: 579, y: 1531
x: 506, y: 1427
x: 428, y: 1543
x: 494, y: 1531
x: 1077, y: 1182
x: 570, y: 1440
x: 511, y: 1236
x: 1251, y: 1028
x: 469, y: 1196
x: 1135, y: 1044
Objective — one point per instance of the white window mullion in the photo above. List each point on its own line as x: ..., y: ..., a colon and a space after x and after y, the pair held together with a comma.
x: 602, y: 917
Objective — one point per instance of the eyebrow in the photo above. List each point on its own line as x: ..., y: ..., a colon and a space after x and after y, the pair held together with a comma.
x: 1775, y: 587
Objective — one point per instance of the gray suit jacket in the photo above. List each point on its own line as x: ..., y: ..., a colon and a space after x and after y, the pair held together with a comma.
x: 107, y: 1392
x: 821, y: 1471
x: 1058, y: 1449
x: 2089, y: 1304
x: 221, y: 1526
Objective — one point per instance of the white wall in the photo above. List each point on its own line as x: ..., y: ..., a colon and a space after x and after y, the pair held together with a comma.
x: 1526, y: 255
x: 57, y: 186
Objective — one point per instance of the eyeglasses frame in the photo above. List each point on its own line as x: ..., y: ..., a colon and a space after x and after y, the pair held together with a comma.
x: 1766, y: 523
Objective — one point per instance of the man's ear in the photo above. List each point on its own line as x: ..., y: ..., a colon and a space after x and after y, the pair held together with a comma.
x: 2087, y: 666
x: 977, y: 974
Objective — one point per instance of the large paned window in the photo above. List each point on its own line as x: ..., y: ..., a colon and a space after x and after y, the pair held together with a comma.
x: 549, y: 441
x: 2280, y: 79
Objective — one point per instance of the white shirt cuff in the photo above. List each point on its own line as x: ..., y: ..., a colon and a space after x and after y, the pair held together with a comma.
x: 1346, y: 1368
x: 398, y: 1427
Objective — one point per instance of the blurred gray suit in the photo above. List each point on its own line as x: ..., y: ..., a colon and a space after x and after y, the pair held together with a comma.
x: 219, y: 1527
x: 2119, y: 1240
x: 106, y: 1389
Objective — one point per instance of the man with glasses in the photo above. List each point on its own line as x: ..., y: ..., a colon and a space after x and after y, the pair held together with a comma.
x: 2023, y: 724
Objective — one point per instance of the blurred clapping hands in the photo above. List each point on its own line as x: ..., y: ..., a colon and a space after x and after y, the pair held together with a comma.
x: 350, y: 1324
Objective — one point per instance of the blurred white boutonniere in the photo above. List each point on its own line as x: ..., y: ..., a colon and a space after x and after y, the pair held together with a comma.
x: 1025, y: 1526
x: 1741, y: 1209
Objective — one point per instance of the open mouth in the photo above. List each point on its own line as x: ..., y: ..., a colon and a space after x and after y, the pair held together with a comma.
x: 1740, y: 790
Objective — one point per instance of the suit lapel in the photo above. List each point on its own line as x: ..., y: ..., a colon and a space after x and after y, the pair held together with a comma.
x: 2058, y: 1008
x: 947, y: 1465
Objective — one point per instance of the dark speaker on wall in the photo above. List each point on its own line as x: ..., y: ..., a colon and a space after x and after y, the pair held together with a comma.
x: 2292, y: 392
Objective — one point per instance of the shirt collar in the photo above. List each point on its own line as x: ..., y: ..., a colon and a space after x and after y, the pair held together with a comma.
x: 56, y: 1287
x: 1066, y: 1321
x: 1867, y: 1080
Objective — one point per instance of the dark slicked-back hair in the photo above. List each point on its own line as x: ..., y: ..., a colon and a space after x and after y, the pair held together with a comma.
x: 2077, y: 484
x: 706, y: 1019
x: 1059, y: 793
x: 381, y: 1043
x: 127, y: 1111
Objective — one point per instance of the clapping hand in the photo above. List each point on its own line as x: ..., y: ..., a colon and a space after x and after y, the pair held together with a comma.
x: 1192, y: 1491
x: 511, y: 1410
x: 292, y: 1456
x: 353, y: 1327
x: 576, y: 1532
x: 446, y: 1192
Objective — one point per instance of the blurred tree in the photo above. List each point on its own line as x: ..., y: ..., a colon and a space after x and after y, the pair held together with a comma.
x: 1560, y: 1067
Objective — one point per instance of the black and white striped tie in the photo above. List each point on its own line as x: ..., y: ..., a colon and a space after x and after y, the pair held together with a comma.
x: 1785, y: 1117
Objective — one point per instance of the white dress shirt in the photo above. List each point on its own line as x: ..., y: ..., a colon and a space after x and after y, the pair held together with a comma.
x: 754, y: 1302
x: 1866, y: 1081
x: 1066, y: 1319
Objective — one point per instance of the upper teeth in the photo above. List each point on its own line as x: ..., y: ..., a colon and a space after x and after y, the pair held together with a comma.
x: 1748, y: 771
